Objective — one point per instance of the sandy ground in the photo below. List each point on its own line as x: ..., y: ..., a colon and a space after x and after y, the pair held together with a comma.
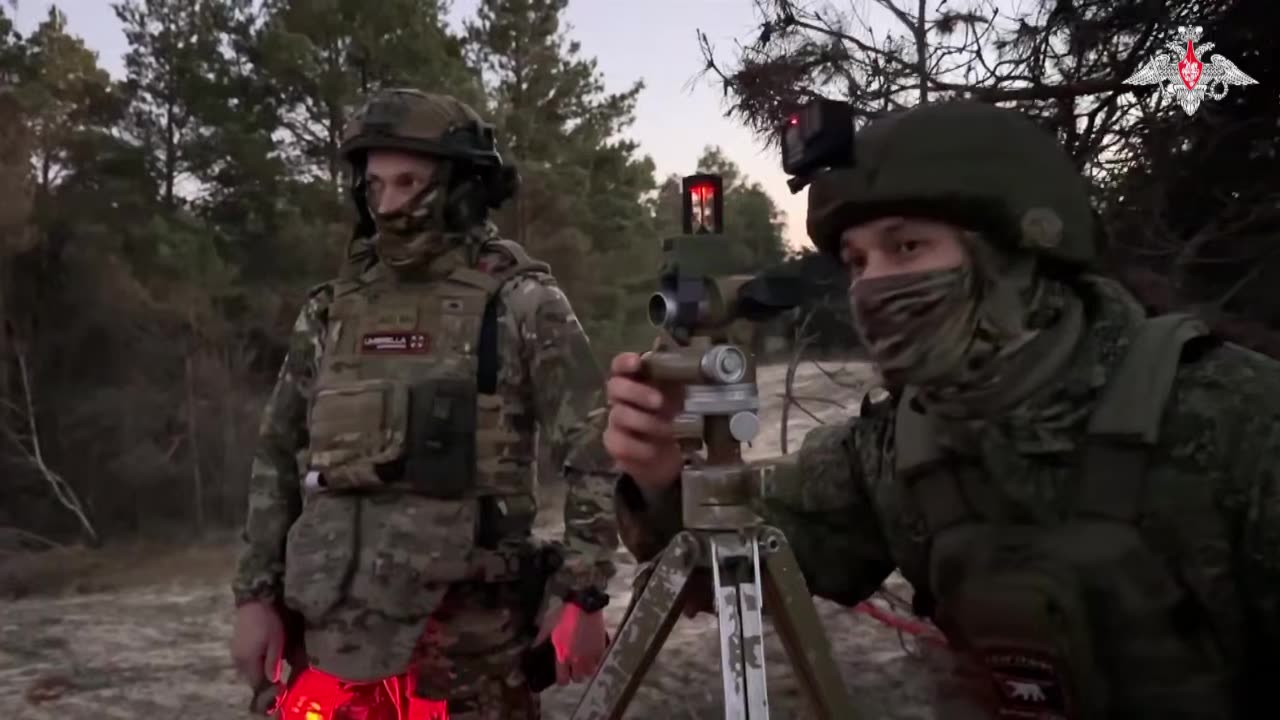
x: 118, y: 647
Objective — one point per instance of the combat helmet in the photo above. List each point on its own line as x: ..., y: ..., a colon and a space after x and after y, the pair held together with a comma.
x: 439, y: 126
x: 976, y: 165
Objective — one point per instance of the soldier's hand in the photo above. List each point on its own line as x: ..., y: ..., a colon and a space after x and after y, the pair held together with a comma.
x: 580, y: 640
x: 641, y: 434
x: 257, y: 643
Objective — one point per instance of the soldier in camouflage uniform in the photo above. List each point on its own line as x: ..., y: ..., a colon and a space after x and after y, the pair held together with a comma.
x: 1086, y: 500
x: 392, y: 495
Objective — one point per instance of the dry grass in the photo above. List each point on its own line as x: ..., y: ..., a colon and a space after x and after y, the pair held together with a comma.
x: 140, y: 631
x: 78, y: 570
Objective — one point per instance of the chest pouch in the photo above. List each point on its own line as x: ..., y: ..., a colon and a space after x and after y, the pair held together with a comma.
x: 1083, y: 618
x: 440, y: 459
x: 1021, y: 615
x: 355, y: 428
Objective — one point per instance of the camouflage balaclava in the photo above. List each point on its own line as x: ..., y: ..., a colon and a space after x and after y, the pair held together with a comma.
x: 413, y: 234
x: 976, y: 338
x: 467, y: 175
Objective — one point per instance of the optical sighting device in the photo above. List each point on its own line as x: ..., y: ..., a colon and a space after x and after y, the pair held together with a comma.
x: 705, y: 319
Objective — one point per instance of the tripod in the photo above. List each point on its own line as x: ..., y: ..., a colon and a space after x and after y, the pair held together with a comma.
x: 752, y: 564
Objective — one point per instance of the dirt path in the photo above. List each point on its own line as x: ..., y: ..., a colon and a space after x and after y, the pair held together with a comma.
x: 159, y: 652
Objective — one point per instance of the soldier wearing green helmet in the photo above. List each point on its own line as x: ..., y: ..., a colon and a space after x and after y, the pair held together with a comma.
x: 1085, y: 499
x: 393, y: 493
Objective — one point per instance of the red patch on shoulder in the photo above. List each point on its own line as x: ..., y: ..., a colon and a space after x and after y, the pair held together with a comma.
x: 399, y: 343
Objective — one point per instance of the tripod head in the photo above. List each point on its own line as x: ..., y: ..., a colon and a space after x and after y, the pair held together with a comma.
x: 708, y: 320
x: 707, y: 316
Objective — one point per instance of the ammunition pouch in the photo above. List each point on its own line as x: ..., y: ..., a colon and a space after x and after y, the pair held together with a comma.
x: 439, y: 458
x: 370, y: 433
x: 354, y: 428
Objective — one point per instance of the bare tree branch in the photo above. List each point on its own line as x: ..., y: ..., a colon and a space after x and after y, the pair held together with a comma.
x: 832, y: 377
x: 26, y: 536
x: 801, y: 341
x: 31, y: 449
x: 810, y: 398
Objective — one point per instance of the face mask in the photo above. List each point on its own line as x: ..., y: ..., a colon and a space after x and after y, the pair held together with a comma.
x: 409, y: 235
x: 918, y: 327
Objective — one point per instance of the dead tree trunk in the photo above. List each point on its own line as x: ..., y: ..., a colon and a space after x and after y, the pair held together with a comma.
x: 193, y: 442
x: 30, y: 447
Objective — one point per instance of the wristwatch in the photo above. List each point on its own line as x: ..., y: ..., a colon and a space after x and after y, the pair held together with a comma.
x: 590, y: 600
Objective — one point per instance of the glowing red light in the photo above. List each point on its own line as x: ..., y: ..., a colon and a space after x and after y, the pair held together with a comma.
x: 793, y: 120
x: 703, y: 193
x: 319, y: 696
x: 701, y: 203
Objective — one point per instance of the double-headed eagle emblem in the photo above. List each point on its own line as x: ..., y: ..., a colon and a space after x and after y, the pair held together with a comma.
x: 1177, y: 71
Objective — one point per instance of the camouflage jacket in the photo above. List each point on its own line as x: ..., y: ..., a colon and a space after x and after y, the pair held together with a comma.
x: 851, y: 523
x: 551, y: 366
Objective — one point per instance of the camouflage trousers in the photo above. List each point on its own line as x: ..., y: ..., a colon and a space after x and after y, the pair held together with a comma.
x: 468, y: 656
x: 496, y: 699
x: 473, y: 647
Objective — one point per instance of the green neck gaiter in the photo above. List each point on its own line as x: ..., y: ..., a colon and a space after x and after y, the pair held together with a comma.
x: 975, y: 339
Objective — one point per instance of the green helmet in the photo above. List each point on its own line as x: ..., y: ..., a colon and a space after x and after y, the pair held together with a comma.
x: 404, y: 119
x: 972, y: 164
x: 438, y: 126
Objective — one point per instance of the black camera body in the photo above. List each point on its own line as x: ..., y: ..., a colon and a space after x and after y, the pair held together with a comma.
x: 817, y: 136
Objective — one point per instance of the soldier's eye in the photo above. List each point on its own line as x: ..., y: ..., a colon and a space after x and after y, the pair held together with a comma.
x: 909, y: 246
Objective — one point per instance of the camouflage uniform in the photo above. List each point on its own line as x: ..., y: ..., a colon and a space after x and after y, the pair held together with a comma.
x: 423, y: 557
x: 1105, y: 546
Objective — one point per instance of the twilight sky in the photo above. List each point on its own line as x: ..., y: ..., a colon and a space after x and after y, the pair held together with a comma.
x: 652, y: 40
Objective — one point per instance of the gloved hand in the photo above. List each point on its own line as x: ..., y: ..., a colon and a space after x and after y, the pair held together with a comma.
x: 257, y: 643
x: 579, y: 638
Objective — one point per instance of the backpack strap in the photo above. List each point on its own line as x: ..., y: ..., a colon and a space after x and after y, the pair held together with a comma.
x: 946, y: 492
x: 487, y: 351
x: 919, y: 466
x: 1125, y: 425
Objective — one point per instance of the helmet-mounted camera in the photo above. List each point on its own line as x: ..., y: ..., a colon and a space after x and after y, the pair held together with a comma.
x: 817, y: 136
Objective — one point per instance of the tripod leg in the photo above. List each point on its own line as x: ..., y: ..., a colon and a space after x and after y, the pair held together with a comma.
x: 641, y: 635
x: 736, y: 562
x: 802, y: 634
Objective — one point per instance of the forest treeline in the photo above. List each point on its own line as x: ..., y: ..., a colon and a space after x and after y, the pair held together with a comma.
x: 158, y: 230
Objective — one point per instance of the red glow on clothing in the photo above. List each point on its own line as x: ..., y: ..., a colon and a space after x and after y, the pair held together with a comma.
x: 315, y: 695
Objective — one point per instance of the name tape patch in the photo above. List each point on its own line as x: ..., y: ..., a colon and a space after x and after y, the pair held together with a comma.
x: 398, y: 342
